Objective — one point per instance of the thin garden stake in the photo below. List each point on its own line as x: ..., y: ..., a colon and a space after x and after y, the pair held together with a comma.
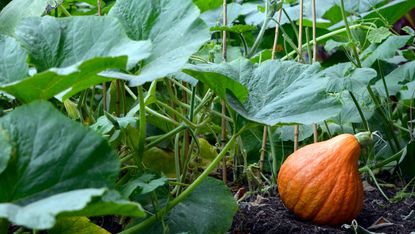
x: 265, y: 131
x: 223, y: 122
x: 104, y: 85
x: 300, y: 54
x: 313, y: 13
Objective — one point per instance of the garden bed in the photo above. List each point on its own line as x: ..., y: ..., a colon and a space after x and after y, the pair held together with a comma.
x: 267, y: 214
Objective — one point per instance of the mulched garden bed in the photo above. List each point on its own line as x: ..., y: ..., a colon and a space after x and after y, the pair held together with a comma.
x: 267, y: 214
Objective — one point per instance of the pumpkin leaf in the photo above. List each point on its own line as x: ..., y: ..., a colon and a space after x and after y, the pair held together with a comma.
x: 62, y: 156
x: 198, y: 213
x: 63, y: 42
x: 69, y: 80
x: 166, y: 23
x: 219, y: 78
x: 42, y: 213
x: 16, y: 10
x: 278, y: 92
x: 377, y: 35
x: 204, y: 5
x: 13, y: 66
x: 342, y: 76
x: 214, y: 17
x: 79, y: 225
x: 68, y: 55
x: 396, y: 79
x: 383, y: 51
x: 5, y: 149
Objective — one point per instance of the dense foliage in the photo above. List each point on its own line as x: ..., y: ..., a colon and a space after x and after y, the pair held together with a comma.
x: 131, y: 109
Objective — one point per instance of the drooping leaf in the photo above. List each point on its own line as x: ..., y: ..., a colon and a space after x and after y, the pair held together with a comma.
x: 63, y: 42
x: 42, y: 213
x: 349, y: 112
x: 16, y: 10
x: 75, y: 50
x: 216, y: 76
x: 278, y: 92
x: 61, y: 155
x: 391, y: 12
x: 13, y: 66
x: 342, y: 76
x: 209, y: 209
x: 396, y: 79
x: 58, y: 168
x: 384, y: 51
x: 71, y: 79
x: 165, y: 23
x: 79, y: 225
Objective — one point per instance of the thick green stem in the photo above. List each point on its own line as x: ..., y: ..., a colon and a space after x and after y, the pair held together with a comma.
x: 324, y: 37
x: 166, y: 136
x: 349, y: 34
x: 385, y: 162
x: 268, y: 16
x: 364, y: 138
x: 362, y: 116
x: 143, y: 225
x: 273, y: 155
x: 385, y: 119
x: 143, y: 126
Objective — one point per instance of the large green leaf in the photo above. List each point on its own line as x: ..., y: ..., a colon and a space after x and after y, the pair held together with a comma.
x: 58, y: 168
x: 69, y: 53
x: 383, y: 51
x: 390, y: 12
x: 215, y: 16
x: 278, y: 92
x: 16, y: 10
x: 13, y: 65
x: 42, y: 214
x: 217, y: 77
x: 5, y: 149
x: 342, y: 76
x: 72, y: 79
x: 53, y: 155
x: 62, y: 42
x: 396, y: 79
x: 209, y: 209
x: 205, y: 5
x: 173, y: 26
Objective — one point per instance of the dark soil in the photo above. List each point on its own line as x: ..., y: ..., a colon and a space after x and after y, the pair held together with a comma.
x: 267, y: 214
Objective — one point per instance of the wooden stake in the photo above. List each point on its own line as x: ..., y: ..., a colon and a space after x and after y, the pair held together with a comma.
x: 223, y: 122
x: 300, y: 54
x: 265, y: 130
x: 313, y: 12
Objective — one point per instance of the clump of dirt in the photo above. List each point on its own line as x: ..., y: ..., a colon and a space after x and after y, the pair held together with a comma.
x: 267, y: 214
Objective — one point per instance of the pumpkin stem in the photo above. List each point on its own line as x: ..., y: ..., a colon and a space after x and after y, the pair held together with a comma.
x: 364, y: 138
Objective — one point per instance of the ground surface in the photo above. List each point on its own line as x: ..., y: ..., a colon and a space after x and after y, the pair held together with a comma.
x: 267, y: 214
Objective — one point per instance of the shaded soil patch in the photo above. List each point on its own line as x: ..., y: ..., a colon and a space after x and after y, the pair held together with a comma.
x: 267, y: 214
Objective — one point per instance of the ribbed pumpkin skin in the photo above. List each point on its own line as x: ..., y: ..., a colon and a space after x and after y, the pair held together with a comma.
x: 321, y: 182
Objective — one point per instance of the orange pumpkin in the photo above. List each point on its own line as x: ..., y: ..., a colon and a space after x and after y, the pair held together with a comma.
x: 321, y: 182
